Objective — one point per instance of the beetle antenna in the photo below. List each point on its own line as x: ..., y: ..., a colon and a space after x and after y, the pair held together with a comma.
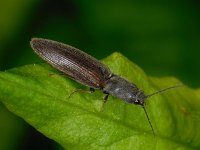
x: 148, y: 120
x: 165, y: 89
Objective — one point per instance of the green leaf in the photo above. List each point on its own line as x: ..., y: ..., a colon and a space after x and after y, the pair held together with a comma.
x: 77, y: 122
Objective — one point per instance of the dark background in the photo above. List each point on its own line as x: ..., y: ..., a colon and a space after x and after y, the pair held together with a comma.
x: 162, y: 37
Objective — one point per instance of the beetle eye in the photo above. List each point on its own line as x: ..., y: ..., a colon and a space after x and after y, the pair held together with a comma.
x: 137, y: 101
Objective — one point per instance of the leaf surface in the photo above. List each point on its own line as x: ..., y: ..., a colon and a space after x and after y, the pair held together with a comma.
x: 42, y: 100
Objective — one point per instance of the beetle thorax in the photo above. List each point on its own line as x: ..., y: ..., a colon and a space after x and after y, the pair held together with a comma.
x: 123, y: 89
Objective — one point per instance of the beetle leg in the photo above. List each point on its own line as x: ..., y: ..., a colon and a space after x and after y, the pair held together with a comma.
x: 82, y: 91
x: 57, y: 74
x: 105, y: 99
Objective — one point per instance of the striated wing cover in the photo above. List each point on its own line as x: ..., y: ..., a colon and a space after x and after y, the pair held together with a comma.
x: 73, y: 62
